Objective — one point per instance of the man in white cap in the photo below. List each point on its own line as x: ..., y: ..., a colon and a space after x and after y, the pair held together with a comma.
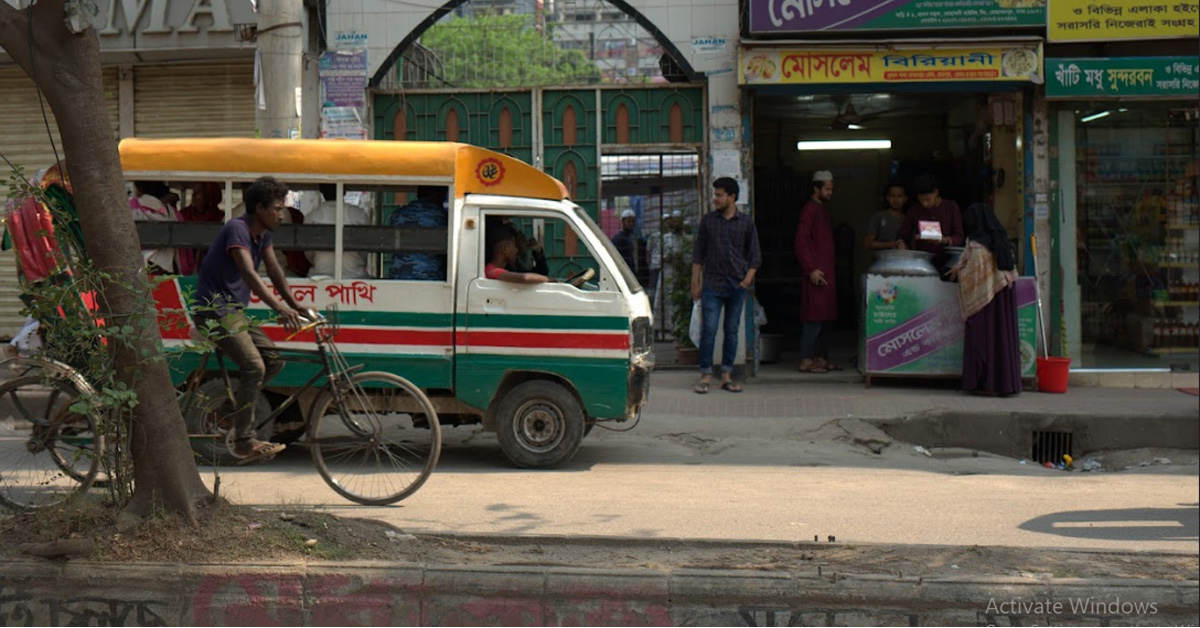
x: 818, y: 295
x: 662, y: 245
x: 631, y: 247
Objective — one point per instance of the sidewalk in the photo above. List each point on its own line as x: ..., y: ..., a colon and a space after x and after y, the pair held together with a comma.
x: 932, y: 413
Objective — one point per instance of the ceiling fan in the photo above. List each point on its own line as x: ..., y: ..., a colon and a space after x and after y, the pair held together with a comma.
x: 847, y: 118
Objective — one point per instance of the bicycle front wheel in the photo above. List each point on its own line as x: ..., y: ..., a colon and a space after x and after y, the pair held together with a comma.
x: 48, y: 452
x: 378, y: 441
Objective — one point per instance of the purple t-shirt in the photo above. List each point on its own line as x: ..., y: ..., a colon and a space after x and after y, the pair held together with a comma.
x: 221, y: 285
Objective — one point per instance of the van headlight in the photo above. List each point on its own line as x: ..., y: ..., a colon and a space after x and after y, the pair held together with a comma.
x: 643, y: 335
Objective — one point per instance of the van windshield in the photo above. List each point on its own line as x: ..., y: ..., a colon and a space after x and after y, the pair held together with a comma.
x: 630, y: 280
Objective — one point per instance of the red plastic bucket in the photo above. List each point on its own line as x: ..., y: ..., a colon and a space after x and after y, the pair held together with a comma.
x: 1052, y: 374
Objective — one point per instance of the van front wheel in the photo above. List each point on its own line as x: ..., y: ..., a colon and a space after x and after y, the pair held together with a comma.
x: 539, y: 425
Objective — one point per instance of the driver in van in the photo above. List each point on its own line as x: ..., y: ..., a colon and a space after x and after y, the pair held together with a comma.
x: 502, y: 245
x: 227, y: 277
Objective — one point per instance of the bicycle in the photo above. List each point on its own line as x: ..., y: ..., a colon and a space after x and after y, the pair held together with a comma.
x: 40, y: 413
x: 374, y: 436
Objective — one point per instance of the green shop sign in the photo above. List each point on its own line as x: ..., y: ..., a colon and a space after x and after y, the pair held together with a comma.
x: 1118, y: 77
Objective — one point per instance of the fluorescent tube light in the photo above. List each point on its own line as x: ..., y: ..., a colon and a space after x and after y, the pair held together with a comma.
x: 855, y: 127
x: 1096, y: 116
x: 845, y: 145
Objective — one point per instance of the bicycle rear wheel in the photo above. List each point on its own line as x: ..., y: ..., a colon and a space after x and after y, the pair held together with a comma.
x: 376, y: 443
x: 48, y: 452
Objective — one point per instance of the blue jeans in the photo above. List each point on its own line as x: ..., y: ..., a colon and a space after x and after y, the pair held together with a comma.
x: 711, y: 303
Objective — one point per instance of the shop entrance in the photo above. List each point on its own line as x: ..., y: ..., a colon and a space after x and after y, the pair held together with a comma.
x: 969, y: 141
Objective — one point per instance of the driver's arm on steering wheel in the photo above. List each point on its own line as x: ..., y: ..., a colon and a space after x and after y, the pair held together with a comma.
x: 515, y: 277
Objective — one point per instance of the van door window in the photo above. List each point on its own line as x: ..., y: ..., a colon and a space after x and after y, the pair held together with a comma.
x: 548, y: 246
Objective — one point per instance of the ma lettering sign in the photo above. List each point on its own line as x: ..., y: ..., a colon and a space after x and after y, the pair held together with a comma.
x: 160, y: 24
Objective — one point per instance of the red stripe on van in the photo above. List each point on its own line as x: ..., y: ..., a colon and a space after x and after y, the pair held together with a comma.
x: 556, y: 340
x: 173, y: 323
x: 434, y: 338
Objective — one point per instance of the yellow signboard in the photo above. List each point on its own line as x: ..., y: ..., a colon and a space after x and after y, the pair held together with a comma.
x: 1087, y: 20
x: 822, y: 66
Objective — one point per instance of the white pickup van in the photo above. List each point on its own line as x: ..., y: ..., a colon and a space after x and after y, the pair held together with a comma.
x: 539, y: 364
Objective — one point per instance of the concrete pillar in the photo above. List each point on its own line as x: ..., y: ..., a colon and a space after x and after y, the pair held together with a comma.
x: 281, y: 54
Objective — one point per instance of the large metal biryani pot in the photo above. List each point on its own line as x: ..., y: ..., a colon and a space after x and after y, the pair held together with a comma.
x: 903, y: 262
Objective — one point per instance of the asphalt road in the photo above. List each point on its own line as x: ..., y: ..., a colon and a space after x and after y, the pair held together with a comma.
x: 731, y: 477
x: 786, y: 470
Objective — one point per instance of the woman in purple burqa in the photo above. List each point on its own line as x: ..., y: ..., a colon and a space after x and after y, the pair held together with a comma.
x: 987, y: 297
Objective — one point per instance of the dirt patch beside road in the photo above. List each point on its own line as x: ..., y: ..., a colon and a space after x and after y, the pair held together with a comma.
x: 234, y: 534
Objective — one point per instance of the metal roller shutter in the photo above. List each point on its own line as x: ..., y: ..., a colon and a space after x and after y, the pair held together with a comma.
x: 202, y: 100
x: 24, y: 141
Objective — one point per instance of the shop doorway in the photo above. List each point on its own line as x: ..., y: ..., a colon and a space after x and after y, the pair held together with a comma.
x: 968, y: 141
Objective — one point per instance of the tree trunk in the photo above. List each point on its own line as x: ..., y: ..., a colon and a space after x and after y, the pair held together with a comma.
x: 66, y: 67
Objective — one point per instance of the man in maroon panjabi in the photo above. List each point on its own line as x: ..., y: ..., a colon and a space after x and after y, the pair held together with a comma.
x: 818, y: 295
x: 931, y: 207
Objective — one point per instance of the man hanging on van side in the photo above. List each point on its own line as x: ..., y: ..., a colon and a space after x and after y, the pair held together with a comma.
x: 227, y: 277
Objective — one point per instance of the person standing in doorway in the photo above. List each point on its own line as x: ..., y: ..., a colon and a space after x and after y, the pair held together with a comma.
x: 884, y: 226
x: 933, y: 223
x: 725, y: 260
x: 631, y: 247
x: 818, y: 296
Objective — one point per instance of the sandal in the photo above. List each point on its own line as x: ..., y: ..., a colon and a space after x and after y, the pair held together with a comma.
x: 254, y: 450
x: 813, y: 369
x: 701, y: 388
x: 731, y: 387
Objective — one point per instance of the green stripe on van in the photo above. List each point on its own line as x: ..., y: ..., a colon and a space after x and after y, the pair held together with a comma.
x: 521, y: 321
x: 379, y: 319
x: 600, y: 382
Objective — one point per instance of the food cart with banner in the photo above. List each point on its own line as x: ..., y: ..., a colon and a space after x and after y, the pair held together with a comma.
x: 911, y: 327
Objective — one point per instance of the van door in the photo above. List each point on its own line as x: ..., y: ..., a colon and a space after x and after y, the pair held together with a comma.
x: 577, y: 336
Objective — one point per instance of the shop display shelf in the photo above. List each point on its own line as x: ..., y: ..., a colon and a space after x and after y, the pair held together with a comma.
x: 1179, y: 265
x: 1179, y: 226
x: 1177, y: 303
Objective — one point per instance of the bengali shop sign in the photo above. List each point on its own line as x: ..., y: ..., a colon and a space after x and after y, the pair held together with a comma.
x: 796, y: 16
x: 760, y: 66
x: 1087, y: 20
x: 1122, y: 76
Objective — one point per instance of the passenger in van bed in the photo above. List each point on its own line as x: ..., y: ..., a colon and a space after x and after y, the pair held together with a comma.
x: 429, y: 210
x: 354, y: 264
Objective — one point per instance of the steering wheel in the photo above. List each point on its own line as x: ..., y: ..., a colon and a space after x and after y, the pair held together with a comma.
x: 580, y: 277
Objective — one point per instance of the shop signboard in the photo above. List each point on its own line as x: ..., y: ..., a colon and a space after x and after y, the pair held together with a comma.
x: 821, y: 66
x: 1087, y: 20
x: 1121, y: 77
x: 800, y: 16
x: 912, y: 326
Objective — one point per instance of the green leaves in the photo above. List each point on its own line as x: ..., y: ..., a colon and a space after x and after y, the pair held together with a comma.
x: 505, y: 51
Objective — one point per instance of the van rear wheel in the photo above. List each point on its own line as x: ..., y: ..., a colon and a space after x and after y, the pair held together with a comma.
x: 539, y: 425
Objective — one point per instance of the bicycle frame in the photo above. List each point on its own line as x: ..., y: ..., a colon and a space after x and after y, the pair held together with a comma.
x: 334, y: 369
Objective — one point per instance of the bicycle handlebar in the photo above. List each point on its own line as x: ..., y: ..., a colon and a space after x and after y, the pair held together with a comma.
x: 316, y: 321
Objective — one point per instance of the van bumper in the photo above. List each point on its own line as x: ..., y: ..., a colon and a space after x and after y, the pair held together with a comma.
x: 638, y: 394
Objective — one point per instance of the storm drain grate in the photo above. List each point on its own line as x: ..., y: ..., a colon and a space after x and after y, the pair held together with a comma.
x: 1051, y: 446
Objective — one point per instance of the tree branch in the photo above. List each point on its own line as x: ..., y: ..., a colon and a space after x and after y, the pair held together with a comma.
x: 14, y: 30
